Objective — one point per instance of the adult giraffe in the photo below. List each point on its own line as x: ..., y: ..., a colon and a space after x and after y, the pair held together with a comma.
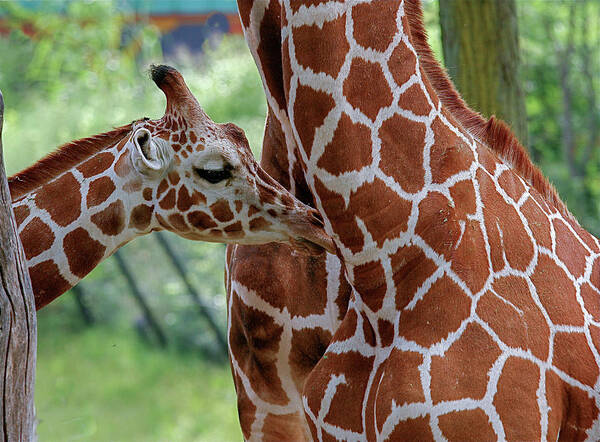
x: 182, y: 173
x: 476, y: 310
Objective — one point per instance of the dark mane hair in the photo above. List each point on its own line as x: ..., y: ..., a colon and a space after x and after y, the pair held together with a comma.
x: 62, y: 159
x: 494, y: 132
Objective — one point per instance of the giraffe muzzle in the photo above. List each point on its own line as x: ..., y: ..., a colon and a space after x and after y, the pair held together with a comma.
x: 308, y: 235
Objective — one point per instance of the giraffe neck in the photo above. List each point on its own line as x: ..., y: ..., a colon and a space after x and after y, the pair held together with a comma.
x: 77, y: 218
x: 387, y: 146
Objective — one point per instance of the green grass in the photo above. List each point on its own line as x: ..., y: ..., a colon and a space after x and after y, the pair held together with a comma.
x: 102, y: 384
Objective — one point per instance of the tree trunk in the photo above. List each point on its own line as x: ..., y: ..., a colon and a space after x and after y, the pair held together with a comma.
x: 480, y: 39
x: 18, y: 332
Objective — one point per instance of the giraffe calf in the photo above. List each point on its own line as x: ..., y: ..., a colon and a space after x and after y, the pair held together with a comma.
x: 183, y: 173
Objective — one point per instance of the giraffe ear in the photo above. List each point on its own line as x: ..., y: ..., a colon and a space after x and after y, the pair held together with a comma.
x: 151, y: 155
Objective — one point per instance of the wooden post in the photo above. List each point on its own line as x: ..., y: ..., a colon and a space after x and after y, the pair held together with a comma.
x: 18, y: 325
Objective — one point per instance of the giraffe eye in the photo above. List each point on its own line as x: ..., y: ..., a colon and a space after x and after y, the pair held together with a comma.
x: 214, y: 176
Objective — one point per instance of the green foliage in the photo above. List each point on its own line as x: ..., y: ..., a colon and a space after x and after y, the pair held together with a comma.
x: 73, y: 79
x: 103, y: 384
x: 546, y: 32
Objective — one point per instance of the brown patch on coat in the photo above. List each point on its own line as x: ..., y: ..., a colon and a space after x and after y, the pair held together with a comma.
x: 99, y: 191
x: 384, y: 213
x: 469, y: 260
x: 178, y: 223
x: 441, y: 311
x: 402, y: 64
x: 322, y: 48
x: 147, y: 194
x: 514, y: 316
x: 556, y: 293
x: 61, y: 198
x: 375, y: 24
x: 308, y: 347
x: 518, y: 384
x: 221, y: 211
x: 573, y: 355
x: 367, y: 99
x: 234, y: 230
x: 463, y: 370
x: 437, y: 224
x: 133, y: 185
x: 123, y: 165
x: 173, y: 178
x: 572, y: 410
x: 463, y: 195
x: 21, y: 213
x: 111, y: 221
x: 259, y: 224
x: 255, y: 347
x: 386, y: 332
x: 201, y: 220
x: 168, y: 202
x: 449, y: 154
x: 512, y: 185
x: 96, y: 165
x: 269, y: 52
x: 279, y: 427
x: 310, y: 109
x: 410, y: 268
x: 413, y: 429
x: 402, y: 157
x: 466, y: 425
x: 414, y: 100
x: 569, y: 249
x: 162, y: 187
x: 370, y: 283
x: 36, y: 237
x: 301, y: 283
x: 185, y: 201
x: 345, y: 409
x: 83, y: 253
x: 140, y: 217
x: 537, y: 222
x: 339, y: 155
x: 400, y: 382
x: 591, y: 301
x: 47, y: 283
x: 506, y: 233
x: 246, y: 409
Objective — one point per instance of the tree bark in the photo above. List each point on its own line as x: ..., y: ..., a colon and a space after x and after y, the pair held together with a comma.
x: 480, y: 39
x: 18, y: 332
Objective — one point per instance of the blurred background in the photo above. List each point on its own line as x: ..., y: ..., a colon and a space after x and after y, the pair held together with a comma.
x: 136, y: 352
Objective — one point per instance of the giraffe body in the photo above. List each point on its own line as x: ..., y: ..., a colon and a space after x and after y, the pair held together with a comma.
x: 182, y: 173
x: 474, y: 311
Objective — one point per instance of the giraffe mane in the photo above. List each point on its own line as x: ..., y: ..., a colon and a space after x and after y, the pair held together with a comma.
x: 494, y: 133
x: 62, y: 159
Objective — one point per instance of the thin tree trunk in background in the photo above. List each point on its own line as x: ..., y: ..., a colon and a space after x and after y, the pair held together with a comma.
x: 202, y: 307
x: 480, y: 39
x: 18, y: 326
x: 141, y: 301
x: 81, y: 300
